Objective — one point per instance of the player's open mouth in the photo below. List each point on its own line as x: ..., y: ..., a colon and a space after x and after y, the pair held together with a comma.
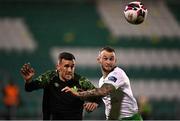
x: 69, y: 75
x: 108, y: 66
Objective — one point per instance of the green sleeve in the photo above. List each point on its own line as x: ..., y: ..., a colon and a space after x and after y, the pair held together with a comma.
x: 40, y: 82
x: 45, y: 78
x: 85, y: 83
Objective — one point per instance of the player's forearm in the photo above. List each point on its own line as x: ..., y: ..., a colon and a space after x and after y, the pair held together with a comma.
x: 97, y: 92
x: 32, y: 85
x: 28, y: 87
x: 92, y: 93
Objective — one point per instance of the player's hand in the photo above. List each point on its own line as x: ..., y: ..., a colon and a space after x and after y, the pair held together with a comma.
x: 71, y: 90
x: 90, y: 106
x: 27, y: 72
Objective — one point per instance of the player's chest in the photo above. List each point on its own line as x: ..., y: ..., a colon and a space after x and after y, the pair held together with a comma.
x: 58, y: 84
x: 101, y: 82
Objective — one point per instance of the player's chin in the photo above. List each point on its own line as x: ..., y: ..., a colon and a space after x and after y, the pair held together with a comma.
x: 107, y: 69
x: 69, y: 77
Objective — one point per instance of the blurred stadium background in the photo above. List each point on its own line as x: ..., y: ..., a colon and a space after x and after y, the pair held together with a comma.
x: 36, y: 31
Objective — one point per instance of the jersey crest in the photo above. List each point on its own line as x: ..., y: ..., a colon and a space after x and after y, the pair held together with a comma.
x: 112, y: 78
x: 56, y: 84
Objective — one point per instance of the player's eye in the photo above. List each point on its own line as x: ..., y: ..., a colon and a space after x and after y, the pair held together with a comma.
x: 105, y: 58
x: 66, y: 66
x: 72, y: 66
x: 111, y: 59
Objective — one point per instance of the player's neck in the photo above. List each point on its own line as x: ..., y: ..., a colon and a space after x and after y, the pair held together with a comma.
x: 105, y: 73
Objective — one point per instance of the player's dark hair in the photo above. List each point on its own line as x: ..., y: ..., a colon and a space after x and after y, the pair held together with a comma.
x: 66, y: 56
x: 108, y: 49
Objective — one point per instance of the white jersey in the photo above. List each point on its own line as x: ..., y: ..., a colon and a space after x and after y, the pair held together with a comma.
x: 120, y: 81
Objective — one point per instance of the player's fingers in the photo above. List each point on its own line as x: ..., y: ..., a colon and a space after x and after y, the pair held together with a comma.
x: 66, y: 89
x: 92, y: 106
x: 23, y: 72
x: 63, y: 89
x: 28, y: 68
x: 24, y: 67
x: 87, y: 106
x: 32, y: 70
x: 84, y: 105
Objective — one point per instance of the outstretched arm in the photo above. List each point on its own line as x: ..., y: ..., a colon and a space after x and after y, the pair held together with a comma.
x: 97, y: 92
x: 27, y: 72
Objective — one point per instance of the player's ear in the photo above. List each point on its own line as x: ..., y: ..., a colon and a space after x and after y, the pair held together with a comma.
x: 98, y: 59
x: 58, y: 65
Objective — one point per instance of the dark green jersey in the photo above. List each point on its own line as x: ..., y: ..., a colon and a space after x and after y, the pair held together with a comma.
x: 58, y: 104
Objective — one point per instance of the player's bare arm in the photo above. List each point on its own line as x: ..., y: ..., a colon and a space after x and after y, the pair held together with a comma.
x: 27, y: 72
x: 97, y: 92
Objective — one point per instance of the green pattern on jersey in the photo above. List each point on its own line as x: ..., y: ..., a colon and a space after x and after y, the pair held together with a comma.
x: 45, y: 78
x: 85, y: 83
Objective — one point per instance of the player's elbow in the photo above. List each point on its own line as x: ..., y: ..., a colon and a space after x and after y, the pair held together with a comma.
x: 103, y: 92
x: 27, y: 88
x: 106, y: 93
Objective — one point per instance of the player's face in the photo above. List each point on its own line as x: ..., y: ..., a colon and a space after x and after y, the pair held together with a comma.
x: 107, y: 60
x: 66, y: 69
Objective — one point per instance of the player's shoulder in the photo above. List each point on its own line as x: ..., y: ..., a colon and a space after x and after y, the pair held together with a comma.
x: 117, y: 70
x: 50, y: 73
x: 118, y: 73
x: 83, y: 82
x: 79, y: 77
x: 47, y: 76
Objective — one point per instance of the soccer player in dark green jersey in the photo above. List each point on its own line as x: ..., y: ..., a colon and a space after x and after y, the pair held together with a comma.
x: 58, y: 105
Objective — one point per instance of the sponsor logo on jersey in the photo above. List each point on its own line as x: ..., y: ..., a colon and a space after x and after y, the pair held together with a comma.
x: 56, y: 84
x: 112, y: 78
x: 74, y: 88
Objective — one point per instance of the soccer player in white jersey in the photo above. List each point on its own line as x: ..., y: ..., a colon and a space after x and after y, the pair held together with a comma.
x: 114, y: 88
